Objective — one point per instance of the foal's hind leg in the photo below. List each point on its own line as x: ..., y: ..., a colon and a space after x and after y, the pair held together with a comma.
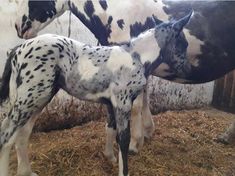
x: 11, y: 130
x: 5, y: 150
x: 21, y: 145
x: 30, y: 99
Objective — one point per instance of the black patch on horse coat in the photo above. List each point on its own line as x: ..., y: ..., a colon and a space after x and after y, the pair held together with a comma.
x: 89, y: 8
x: 41, y: 10
x: 27, y: 73
x: 4, y: 87
x: 103, y: 4
x: 120, y: 23
x: 28, y: 53
x: 38, y: 48
x: 93, y: 23
x: 138, y: 27
x: 111, y: 114
x: 38, y: 67
x: 58, y: 45
x: 212, y: 64
x: 150, y: 67
x: 59, y: 81
x: 123, y: 140
x: 19, y: 76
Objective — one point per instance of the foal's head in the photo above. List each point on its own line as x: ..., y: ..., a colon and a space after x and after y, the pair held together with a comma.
x: 166, y: 32
x: 33, y: 16
x: 173, y: 44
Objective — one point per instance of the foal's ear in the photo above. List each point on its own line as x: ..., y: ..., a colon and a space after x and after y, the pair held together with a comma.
x: 179, y: 24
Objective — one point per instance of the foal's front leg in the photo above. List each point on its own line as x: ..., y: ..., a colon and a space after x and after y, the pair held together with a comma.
x: 122, y: 116
x: 123, y: 139
x: 137, y: 137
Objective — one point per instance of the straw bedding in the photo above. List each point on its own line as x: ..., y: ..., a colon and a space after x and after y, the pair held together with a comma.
x: 182, y: 145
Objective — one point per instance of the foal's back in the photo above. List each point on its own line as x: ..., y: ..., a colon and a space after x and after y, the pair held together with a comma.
x: 83, y: 71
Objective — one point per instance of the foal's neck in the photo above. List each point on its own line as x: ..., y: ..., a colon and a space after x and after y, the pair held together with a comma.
x: 146, y: 46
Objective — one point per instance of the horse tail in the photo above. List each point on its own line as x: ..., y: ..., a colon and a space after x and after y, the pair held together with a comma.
x: 5, y: 81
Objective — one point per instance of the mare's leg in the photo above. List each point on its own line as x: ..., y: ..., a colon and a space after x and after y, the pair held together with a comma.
x: 146, y: 115
x: 21, y: 146
x: 110, y: 133
x: 137, y: 136
x: 228, y: 137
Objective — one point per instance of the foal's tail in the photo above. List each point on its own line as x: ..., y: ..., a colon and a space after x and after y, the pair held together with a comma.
x: 4, y: 82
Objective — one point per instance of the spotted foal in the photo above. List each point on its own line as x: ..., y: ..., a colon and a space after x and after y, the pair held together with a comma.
x: 114, y: 75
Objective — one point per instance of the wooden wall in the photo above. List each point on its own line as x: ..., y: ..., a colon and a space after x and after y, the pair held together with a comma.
x: 224, y: 93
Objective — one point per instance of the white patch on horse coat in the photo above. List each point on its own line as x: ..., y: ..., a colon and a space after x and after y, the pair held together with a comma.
x: 86, y: 68
x: 194, y: 47
x: 96, y: 96
x: 136, y: 10
x: 116, y: 59
x: 144, y: 45
x: 120, y: 163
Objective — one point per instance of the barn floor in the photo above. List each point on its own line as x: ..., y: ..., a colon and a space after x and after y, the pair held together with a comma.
x: 182, y: 145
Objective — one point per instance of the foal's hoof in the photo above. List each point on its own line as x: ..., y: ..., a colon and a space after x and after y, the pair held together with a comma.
x: 148, y: 132
x: 110, y: 157
x: 132, y: 150
x: 34, y: 174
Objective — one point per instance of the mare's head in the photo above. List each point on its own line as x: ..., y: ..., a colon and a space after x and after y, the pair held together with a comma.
x: 33, y: 16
